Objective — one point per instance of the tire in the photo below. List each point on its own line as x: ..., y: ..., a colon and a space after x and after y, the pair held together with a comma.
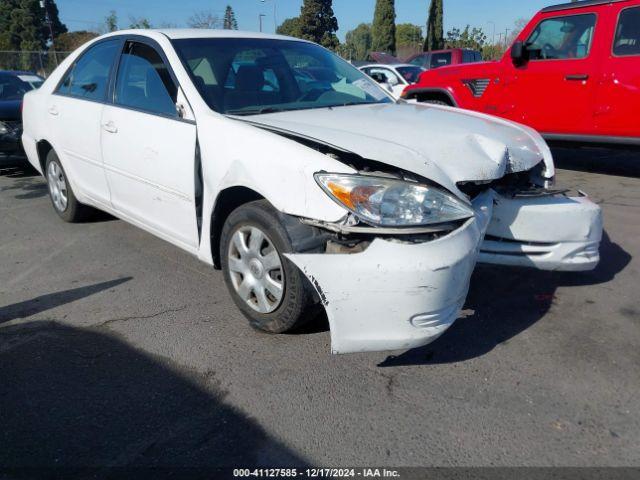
x: 62, y: 197
x: 250, y: 272
x: 437, y: 102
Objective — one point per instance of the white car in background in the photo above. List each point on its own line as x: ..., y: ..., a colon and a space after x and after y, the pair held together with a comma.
x: 394, y: 77
x: 305, y: 182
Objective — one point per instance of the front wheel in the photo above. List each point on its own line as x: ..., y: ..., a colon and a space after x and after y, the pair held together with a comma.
x: 267, y: 288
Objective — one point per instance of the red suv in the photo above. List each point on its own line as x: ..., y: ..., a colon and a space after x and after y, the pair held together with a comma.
x: 573, y: 74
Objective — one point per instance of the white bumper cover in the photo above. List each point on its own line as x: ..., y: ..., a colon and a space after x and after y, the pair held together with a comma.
x: 547, y: 233
x: 397, y: 295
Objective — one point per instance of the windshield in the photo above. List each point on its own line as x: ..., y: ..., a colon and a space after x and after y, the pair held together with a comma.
x: 13, y: 87
x: 249, y: 76
x: 410, y: 74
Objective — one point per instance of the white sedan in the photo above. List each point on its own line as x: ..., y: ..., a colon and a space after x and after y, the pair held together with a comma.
x: 394, y: 77
x: 305, y: 182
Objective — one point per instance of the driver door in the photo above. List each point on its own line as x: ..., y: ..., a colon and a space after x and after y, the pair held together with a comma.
x: 553, y: 91
x: 148, y: 149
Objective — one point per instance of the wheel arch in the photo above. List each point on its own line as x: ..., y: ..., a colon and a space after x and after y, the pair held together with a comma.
x: 423, y: 94
x: 226, y: 202
x: 43, y: 147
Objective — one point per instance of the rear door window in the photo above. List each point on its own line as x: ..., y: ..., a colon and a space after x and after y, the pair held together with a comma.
x: 558, y: 38
x: 89, y: 77
x: 440, y: 59
x: 627, y: 39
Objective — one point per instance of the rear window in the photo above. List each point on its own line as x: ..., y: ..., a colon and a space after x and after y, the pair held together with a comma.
x: 627, y: 40
x: 440, y: 59
x: 471, y: 56
x: 12, y: 88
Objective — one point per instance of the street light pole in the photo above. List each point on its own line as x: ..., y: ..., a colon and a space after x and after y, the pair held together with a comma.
x: 43, y: 5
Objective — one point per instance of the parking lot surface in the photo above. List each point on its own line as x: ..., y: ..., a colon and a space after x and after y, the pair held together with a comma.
x: 117, y: 348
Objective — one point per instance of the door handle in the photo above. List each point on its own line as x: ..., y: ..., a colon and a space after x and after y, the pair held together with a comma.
x: 53, y: 110
x: 110, y: 127
x: 577, y: 77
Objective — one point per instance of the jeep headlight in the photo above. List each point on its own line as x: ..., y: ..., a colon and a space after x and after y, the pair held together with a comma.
x: 3, y: 128
x: 387, y: 202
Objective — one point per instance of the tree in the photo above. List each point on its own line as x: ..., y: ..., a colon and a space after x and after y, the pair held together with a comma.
x: 204, y: 19
x: 290, y: 27
x: 139, y: 22
x: 473, y: 38
x: 69, y: 41
x: 318, y: 23
x: 408, y: 34
x: 230, y: 22
x: 435, y: 28
x: 409, y: 40
x: 111, y: 22
x: 54, y: 19
x: 383, y: 30
x: 357, y: 43
x: 24, y: 25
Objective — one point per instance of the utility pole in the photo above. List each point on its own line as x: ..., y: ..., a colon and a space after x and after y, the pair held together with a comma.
x: 275, y: 21
x: 260, y: 15
x: 43, y: 5
x: 493, y: 40
x: 506, y: 36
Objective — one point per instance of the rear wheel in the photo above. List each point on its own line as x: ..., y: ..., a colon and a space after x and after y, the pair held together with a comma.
x: 269, y: 290
x: 62, y: 197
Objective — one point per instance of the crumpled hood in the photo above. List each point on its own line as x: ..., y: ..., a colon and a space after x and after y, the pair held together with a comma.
x: 443, y: 144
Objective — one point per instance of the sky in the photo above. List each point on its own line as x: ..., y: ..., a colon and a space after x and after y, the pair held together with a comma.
x: 90, y: 14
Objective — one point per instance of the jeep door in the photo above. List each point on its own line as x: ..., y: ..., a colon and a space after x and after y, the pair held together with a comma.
x: 552, y: 91
x: 618, y: 101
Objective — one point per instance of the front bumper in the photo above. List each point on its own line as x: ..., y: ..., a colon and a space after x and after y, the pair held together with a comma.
x: 397, y: 295
x: 10, y: 143
x: 548, y: 233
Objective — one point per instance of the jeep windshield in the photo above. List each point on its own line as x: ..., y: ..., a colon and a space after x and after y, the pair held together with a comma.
x: 250, y: 76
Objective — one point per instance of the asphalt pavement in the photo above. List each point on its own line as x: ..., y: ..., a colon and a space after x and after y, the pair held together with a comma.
x: 118, y: 349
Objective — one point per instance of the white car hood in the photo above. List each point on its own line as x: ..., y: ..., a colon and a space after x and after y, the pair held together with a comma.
x: 443, y: 144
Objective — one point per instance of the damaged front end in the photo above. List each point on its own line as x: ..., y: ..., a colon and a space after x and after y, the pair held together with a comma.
x: 389, y: 286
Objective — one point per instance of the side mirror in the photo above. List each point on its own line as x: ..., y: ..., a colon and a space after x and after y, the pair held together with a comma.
x: 518, y: 53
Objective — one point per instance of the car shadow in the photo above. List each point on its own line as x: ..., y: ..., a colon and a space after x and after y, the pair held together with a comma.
x: 502, y: 303
x: 83, y: 397
x: 621, y: 162
x: 52, y: 300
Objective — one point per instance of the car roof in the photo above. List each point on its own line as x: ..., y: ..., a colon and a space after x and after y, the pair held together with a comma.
x: 387, y: 65
x: 18, y: 72
x: 579, y: 4
x: 185, y: 33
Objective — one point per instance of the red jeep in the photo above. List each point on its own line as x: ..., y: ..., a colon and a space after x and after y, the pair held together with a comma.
x: 573, y: 74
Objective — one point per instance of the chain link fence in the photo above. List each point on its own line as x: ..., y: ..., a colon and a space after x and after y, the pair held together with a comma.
x: 40, y: 62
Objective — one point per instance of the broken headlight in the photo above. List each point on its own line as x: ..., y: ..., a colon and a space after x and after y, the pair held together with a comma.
x: 388, y: 202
